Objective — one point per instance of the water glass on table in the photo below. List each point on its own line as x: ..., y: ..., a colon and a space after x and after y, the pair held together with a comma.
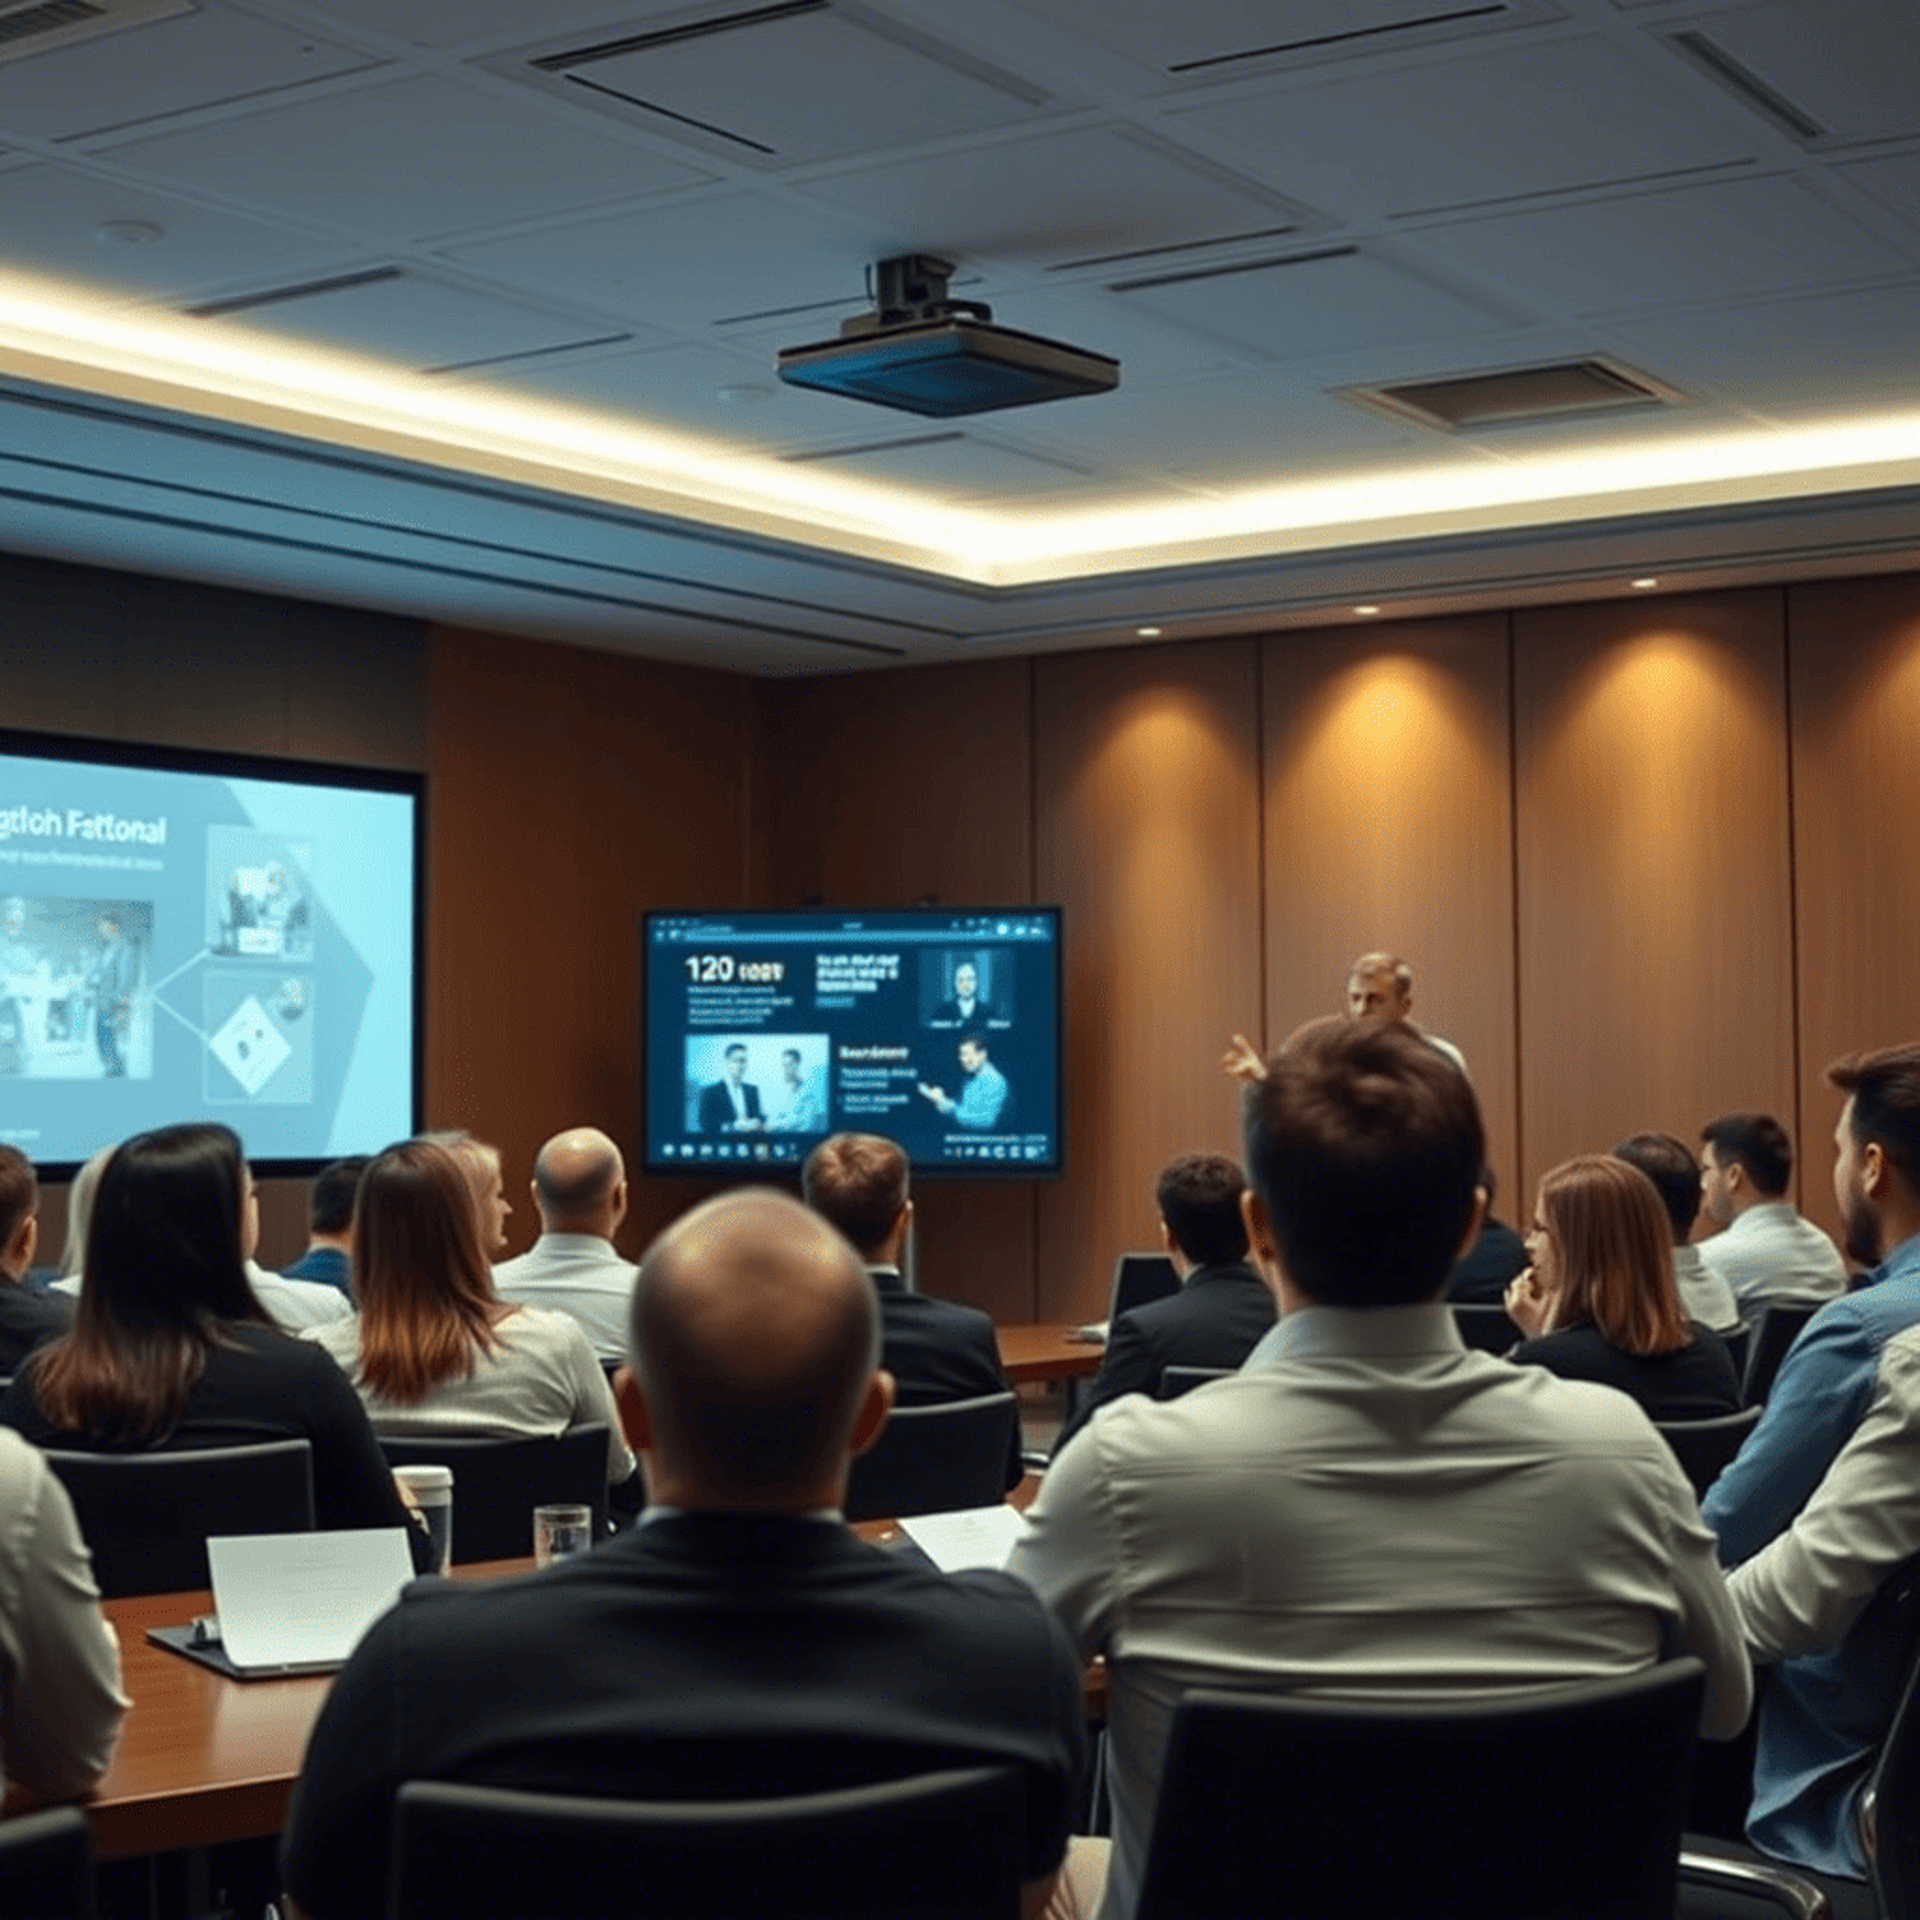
x: 559, y: 1532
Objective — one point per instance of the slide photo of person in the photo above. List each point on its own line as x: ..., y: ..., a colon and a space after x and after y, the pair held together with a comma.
x: 258, y: 906
x: 72, y: 1005
x: 981, y: 1101
x: 797, y: 1096
x: 721, y: 1097
x: 964, y: 990
x: 259, y: 1043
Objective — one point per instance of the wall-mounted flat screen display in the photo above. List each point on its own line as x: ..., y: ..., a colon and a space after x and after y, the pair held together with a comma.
x: 202, y: 937
x: 766, y: 1030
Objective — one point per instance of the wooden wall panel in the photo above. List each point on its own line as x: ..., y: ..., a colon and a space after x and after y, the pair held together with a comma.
x: 1146, y: 776
x: 569, y: 790
x: 1388, y: 815
x: 885, y: 789
x: 1855, y: 651
x: 1655, y: 938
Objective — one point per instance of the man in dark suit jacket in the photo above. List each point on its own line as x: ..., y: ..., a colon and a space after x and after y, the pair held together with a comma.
x: 936, y: 1350
x: 1223, y: 1306
x: 729, y: 1105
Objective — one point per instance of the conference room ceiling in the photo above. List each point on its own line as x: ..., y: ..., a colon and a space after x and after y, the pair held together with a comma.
x: 469, y: 308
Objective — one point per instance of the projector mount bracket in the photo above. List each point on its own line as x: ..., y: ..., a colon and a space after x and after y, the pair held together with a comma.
x: 911, y: 291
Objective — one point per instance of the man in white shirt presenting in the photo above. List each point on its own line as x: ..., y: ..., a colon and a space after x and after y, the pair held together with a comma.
x: 1767, y: 1251
x: 1367, y: 1510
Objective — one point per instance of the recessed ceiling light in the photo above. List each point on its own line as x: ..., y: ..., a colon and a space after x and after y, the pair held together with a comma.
x: 745, y: 396
x: 128, y: 233
x: 1649, y: 581
x: 1364, y: 611
x: 1148, y: 633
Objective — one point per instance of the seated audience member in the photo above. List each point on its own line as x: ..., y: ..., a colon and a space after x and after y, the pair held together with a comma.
x: 935, y: 1350
x: 1765, y: 1250
x: 85, y: 1184
x: 1367, y: 1509
x: 580, y: 1188
x: 60, y: 1698
x: 1837, y: 1679
x: 26, y: 1317
x: 481, y: 1165
x: 740, y: 1642
x: 1223, y: 1306
x: 1497, y: 1255
x: 327, y: 1260
x: 1670, y: 1165
x: 434, y: 1349
x: 170, y: 1348
x: 1599, y: 1301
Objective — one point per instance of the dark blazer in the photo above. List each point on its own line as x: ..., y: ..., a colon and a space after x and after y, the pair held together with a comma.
x: 716, y: 1106
x: 938, y: 1350
x: 1482, y: 1272
x: 948, y: 1014
x: 27, y: 1318
x: 1697, y: 1383
x: 1215, y: 1320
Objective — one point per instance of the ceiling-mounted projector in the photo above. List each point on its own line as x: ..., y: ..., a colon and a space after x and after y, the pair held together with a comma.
x: 926, y: 354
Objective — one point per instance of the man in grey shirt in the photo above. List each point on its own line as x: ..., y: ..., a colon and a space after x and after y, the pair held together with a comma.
x: 1766, y: 1251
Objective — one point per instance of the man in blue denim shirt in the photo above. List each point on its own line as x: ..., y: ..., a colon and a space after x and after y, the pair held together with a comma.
x: 1825, y: 1715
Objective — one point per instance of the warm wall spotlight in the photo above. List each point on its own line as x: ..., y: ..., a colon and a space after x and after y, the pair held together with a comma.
x: 1365, y: 612
x: 1148, y: 633
x: 1643, y: 585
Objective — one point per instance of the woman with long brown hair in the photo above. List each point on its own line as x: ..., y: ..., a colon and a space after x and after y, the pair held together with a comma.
x: 170, y: 1347
x: 1600, y: 1301
x: 434, y: 1349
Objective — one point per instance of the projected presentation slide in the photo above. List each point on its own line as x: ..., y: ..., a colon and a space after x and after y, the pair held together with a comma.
x: 190, y: 939
x: 766, y: 1031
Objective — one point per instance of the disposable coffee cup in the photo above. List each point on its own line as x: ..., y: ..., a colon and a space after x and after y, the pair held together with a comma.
x: 432, y: 1490
x: 559, y: 1532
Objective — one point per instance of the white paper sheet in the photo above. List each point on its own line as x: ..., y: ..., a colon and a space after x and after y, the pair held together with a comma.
x: 302, y: 1599
x: 973, y: 1537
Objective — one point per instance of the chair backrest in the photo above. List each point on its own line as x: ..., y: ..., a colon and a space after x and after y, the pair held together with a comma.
x: 1138, y: 1280
x: 1892, y: 1794
x: 1737, y: 1341
x: 1174, y: 1381
x: 1484, y: 1326
x: 940, y: 1846
x: 46, y: 1865
x: 146, y: 1516
x: 936, y: 1459
x: 1774, y: 1332
x: 498, y: 1483
x: 1557, y: 1804
x: 1704, y: 1447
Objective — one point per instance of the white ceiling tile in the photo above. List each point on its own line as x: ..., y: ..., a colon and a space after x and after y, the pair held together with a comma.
x: 1894, y: 181
x: 1147, y: 346
x: 1311, y: 304
x: 413, y: 322
x: 195, y: 60
x: 50, y: 221
x: 866, y: 88
x: 1063, y: 196
x: 692, y: 264
x: 1722, y: 240
x: 399, y: 161
x: 1852, y: 66
x: 459, y: 23
x: 1853, y: 349
x: 1202, y: 31
x: 1486, y: 127
x: 955, y: 463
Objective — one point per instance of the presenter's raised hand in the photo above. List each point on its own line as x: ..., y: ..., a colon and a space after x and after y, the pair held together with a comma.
x: 1242, y: 1060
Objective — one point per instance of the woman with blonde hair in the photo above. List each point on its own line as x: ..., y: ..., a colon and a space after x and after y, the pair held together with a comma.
x: 1600, y: 1302
x: 433, y: 1349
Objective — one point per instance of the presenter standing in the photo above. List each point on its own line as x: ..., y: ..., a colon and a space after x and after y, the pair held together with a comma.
x: 112, y: 977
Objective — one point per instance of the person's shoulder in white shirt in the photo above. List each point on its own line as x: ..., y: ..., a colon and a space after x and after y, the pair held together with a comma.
x: 1771, y: 1251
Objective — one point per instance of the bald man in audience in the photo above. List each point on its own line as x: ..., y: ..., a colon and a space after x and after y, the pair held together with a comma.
x: 740, y: 1643
x: 26, y: 1317
x: 936, y: 1350
x: 580, y: 1189
x: 1380, y: 989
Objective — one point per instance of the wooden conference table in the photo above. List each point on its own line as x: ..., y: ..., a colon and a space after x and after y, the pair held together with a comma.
x: 203, y: 1758
x: 1045, y: 1353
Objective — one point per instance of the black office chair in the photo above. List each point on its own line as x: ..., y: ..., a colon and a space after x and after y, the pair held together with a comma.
x: 1485, y: 1327
x: 46, y: 1866
x: 146, y: 1516
x: 1737, y: 1341
x: 1774, y: 1332
x: 1557, y: 1804
x: 1138, y: 1280
x: 498, y: 1483
x: 936, y: 1459
x: 939, y: 1846
x: 1174, y: 1381
x: 1704, y: 1447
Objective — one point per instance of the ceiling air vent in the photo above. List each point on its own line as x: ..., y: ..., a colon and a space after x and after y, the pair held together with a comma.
x: 39, y: 26
x: 1516, y: 395
x: 1371, y: 38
